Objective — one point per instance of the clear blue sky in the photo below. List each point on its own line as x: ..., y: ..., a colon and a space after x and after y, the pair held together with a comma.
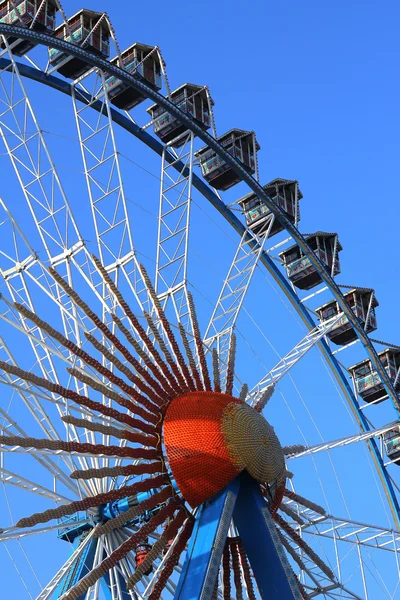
x: 319, y: 84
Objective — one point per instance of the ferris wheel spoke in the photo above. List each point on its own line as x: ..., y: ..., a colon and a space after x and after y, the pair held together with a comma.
x: 354, y: 532
x: 48, y: 204
x: 360, y: 437
x: 107, y: 197
x: 66, y: 453
x: 43, y: 191
x: 16, y: 533
x: 119, y: 574
x: 10, y: 478
x: 288, y: 361
x: 122, y: 535
x: 105, y: 185
x: 233, y: 292
x: 173, y: 227
x: 30, y: 157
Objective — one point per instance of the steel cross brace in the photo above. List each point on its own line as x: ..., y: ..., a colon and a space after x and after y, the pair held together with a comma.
x: 233, y: 292
x: 173, y: 228
x: 241, y: 500
x: 288, y: 361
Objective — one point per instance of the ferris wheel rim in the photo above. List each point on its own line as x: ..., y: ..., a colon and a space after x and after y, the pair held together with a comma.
x: 236, y: 223
x: 212, y: 197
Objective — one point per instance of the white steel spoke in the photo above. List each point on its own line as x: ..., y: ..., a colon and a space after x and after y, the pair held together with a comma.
x: 33, y: 165
x: 51, y: 213
x: 105, y: 185
x: 288, y: 361
x: 359, y: 437
x: 106, y: 193
x: 16, y: 533
x: 22, y: 483
x: 173, y: 228
x: 233, y: 292
x: 346, y: 530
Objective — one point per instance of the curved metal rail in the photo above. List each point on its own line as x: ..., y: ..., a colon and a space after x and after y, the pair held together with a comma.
x: 208, y: 193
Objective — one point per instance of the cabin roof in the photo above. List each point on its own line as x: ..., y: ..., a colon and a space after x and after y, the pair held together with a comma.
x: 307, y: 236
x: 221, y: 138
x: 89, y: 13
x: 356, y: 289
x: 195, y: 88
x: 139, y: 45
x: 366, y: 360
x: 272, y: 185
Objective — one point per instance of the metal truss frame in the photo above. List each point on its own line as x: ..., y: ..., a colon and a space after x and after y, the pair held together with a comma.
x: 234, y: 289
x: 312, y: 338
x: 105, y: 186
x: 359, y: 437
x: 173, y: 227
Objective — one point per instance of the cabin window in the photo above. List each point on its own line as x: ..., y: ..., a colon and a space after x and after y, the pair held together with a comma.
x: 179, y: 98
x: 392, y: 433
x: 328, y: 313
x: 313, y: 243
x: 294, y: 255
x: 362, y: 371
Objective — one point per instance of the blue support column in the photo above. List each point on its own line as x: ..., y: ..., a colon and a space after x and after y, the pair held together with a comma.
x: 241, y: 500
x: 80, y: 568
x: 206, y: 545
x: 273, y: 573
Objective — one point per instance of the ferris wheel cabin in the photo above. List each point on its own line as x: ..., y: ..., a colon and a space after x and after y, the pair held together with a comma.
x: 25, y: 14
x: 299, y: 268
x: 140, y: 61
x: 367, y: 381
x: 392, y: 444
x: 85, y: 30
x: 283, y: 192
x: 363, y: 303
x: 194, y: 100
x: 242, y: 145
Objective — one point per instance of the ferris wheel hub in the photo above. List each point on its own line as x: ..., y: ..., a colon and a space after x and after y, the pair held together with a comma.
x: 211, y: 437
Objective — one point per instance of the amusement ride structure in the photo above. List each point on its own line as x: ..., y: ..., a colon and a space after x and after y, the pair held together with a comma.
x: 131, y: 418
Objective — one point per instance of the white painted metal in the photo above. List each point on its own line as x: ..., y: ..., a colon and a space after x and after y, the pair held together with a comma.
x: 173, y: 227
x: 51, y: 587
x: 10, y: 478
x: 105, y: 187
x: 359, y: 437
x: 233, y: 292
x: 291, y: 358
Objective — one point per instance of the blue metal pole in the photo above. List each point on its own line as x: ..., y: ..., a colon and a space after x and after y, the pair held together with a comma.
x: 81, y: 567
x: 197, y: 581
x: 273, y: 573
x: 241, y: 500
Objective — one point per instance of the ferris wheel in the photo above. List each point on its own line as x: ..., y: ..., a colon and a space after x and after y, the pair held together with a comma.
x: 192, y: 404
